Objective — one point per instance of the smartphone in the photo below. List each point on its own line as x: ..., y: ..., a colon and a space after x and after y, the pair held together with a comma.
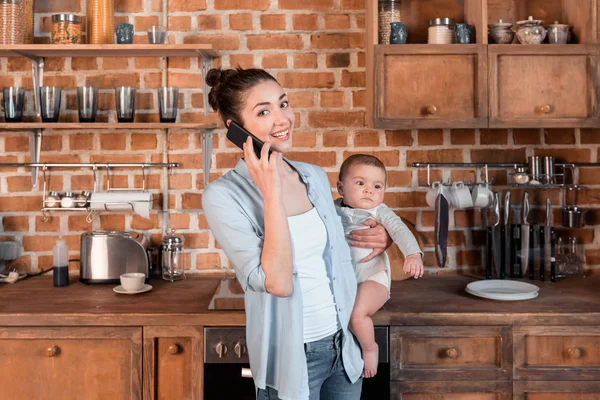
x: 238, y: 136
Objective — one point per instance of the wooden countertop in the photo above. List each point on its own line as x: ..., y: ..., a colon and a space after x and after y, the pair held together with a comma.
x: 427, y: 301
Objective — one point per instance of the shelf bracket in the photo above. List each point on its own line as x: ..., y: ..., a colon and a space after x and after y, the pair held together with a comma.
x: 206, y: 133
x: 35, y: 149
x: 37, y: 67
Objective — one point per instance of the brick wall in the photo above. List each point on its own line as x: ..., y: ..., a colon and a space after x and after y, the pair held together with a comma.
x: 315, y: 48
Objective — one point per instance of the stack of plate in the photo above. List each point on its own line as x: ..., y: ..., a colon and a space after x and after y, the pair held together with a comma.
x: 496, y: 289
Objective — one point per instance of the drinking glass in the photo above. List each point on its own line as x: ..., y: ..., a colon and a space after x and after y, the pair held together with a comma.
x: 14, y: 101
x: 125, y: 102
x: 50, y: 97
x: 167, y: 103
x: 87, y: 103
x: 157, y: 34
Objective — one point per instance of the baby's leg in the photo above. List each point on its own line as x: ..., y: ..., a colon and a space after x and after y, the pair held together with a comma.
x: 370, y: 297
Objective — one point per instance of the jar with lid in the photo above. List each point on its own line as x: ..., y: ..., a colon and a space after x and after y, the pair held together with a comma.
x: 441, y: 31
x: 521, y: 177
x: 68, y: 200
x: 171, y: 257
x: 12, y: 22
x: 82, y: 199
x: 389, y: 11
x: 66, y: 29
x: 52, y: 200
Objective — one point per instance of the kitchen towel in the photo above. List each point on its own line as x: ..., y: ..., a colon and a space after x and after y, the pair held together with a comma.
x: 122, y: 200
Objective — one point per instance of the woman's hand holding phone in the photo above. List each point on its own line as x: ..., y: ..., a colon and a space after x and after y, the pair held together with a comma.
x: 265, y: 171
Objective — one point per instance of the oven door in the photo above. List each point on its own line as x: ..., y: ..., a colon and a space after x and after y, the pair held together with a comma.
x: 225, y: 381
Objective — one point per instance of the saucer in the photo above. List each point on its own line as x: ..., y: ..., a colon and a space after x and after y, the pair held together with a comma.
x: 119, y: 289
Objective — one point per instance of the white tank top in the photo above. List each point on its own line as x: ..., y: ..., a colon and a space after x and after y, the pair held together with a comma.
x: 309, y: 240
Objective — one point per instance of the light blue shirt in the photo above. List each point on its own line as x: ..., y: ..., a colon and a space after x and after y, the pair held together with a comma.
x: 234, y: 209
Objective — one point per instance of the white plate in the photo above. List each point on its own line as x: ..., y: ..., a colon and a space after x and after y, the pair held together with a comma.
x: 497, y: 289
x: 119, y: 289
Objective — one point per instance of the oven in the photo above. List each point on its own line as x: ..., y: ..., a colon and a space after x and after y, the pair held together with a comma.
x: 227, y: 372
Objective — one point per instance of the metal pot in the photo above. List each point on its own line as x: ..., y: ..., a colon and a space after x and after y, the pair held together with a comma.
x: 573, y: 217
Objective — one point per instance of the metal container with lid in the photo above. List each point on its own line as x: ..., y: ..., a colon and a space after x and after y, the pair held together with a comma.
x: 171, y: 257
x: 66, y: 29
x: 441, y: 31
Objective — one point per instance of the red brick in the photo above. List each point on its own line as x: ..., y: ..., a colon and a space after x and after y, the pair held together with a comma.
x: 322, y: 158
x: 404, y: 199
x: 39, y: 243
x: 187, y: 161
x: 332, y: 99
x: 142, y: 23
x: 221, y: 42
x: 153, y: 181
x: 77, y: 223
x: 337, y: 21
x: 526, y: 136
x: 304, y: 139
x: 305, y: 22
x: 462, y: 136
x: 353, y: 79
x: 81, y: 141
x: 469, y: 257
x: 337, y: 60
x: 191, y: 201
x: 310, y: 5
x: 589, y: 176
x: 112, y: 222
x: 129, y: 6
x: 301, y: 99
x: 141, y: 141
x: 366, y: 139
x: 70, y: 6
x: 590, y: 136
x: 359, y: 98
x: 399, y: 138
x: 180, y: 23
x: 15, y: 224
x: 140, y: 223
x: 389, y: 158
x: 297, y: 80
x: 335, y: 139
x: 434, y: 156
x: 493, y: 136
x: 360, y: 20
x: 284, y: 42
x: 110, y: 141
x: 187, y: 6
x: 331, y: 119
x: 210, y: 22
x: 16, y: 144
x: 337, y: 41
x: 52, y: 224
x: 208, y: 261
x: 431, y: 137
x: 352, y: 5
x: 52, y: 143
x: 559, y: 136
x: 258, y: 5
x: 241, y: 22
x: 568, y: 155
x: 179, y: 221
x: 180, y: 181
x: 82, y: 182
x: 271, y: 61
x: 146, y: 63
x: 305, y: 60
x: 272, y: 22
x: 399, y: 178
x: 195, y: 240
x: 109, y: 81
x: 497, y: 156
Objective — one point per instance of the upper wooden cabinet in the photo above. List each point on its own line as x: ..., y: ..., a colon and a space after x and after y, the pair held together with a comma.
x: 418, y: 85
x: 543, y: 86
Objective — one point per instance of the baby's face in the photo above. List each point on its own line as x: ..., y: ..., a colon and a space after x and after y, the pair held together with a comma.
x: 363, y: 186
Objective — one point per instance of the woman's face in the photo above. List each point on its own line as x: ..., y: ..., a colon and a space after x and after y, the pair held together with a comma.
x: 268, y: 115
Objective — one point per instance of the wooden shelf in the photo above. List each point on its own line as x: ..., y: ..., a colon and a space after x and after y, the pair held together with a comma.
x: 106, y: 125
x: 108, y: 50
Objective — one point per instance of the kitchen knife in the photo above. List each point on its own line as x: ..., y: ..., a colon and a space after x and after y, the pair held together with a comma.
x: 547, y: 237
x: 496, y: 236
x: 542, y: 247
x: 552, y: 256
x: 506, y: 265
x: 532, y: 244
x: 525, y: 235
x: 441, y: 229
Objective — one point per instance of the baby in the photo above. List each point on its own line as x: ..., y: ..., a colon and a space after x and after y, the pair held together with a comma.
x: 362, y: 184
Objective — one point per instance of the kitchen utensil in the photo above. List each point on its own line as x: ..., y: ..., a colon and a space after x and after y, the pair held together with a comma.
x: 548, y: 170
x: 525, y: 232
x: 552, y: 256
x: 506, y: 290
x: 558, y: 33
x: 167, y: 103
x: 482, y: 196
x: 531, y: 31
x: 125, y: 102
x: 398, y: 33
x: 121, y: 290
x: 464, y: 33
x: 506, y: 238
x: 515, y: 245
x: 497, y: 236
x: 521, y: 177
x: 573, y: 217
x: 441, y: 229
x: 50, y: 103
x: 124, y: 33
x: 157, y: 34
x: 14, y: 101
x: 501, y: 32
x: 461, y: 195
x: 171, y: 257
x: 547, y: 237
x: 87, y: 103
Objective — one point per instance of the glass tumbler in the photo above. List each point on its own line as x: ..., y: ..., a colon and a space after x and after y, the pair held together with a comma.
x: 87, y: 103
x: 125, y: 102
x: 14, y: 101
x: 50, y: 97
x: 167, y: 103
x: 157, y: 34
x: 172, y: 258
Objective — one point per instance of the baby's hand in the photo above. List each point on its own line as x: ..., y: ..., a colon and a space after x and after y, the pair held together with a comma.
x: 413, y: 265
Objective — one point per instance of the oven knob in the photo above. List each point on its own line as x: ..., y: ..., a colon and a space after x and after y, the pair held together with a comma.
x: 239, y: 349
x: 221, y: 349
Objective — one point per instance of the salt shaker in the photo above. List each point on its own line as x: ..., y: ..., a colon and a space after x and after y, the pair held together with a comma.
x: 53, y: 200
x: 68, y: 200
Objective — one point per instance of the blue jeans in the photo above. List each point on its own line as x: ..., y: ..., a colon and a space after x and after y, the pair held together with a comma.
x: 327, y: 378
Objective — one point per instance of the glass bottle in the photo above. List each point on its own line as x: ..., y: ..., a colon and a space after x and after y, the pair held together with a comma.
x: 60, y: 263
x: 172, y: 261
x: 100, y: 21
x: 389, y: 11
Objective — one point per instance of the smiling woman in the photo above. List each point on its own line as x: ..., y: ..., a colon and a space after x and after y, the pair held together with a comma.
x: 276, y: 221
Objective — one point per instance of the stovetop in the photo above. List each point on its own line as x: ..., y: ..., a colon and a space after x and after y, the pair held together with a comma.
x: 229, y: 296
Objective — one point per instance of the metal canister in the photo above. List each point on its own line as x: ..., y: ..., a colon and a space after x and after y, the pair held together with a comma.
x: 535, y: 167
x: 548, y: 170
x: 66, y: 29
x: 171, y: 258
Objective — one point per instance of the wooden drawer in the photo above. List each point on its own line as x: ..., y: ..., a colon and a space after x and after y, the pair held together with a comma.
x: 470, y: 390
x: 542, y: 86
x: 557, y: 353
x: 451, y: 353
x: 420, y: 86
x: 71, y: 363
x: 556, y: 390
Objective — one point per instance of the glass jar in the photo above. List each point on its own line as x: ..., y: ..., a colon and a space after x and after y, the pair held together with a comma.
x: 82, y: 199
x: 172, y: 261
x: 521, y: 177
x: 68, y: 200
x: 12, y: 26
x: 53, y: 200
x: 66, y: 29
x: 389, y: 11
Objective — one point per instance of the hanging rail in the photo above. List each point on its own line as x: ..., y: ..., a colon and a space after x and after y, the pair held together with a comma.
x: 91, y: 165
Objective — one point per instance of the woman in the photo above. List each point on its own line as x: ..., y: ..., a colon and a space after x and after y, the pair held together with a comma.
x: 276, y: 221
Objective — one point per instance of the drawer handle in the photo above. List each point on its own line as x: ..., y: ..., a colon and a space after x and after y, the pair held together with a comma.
x: 52, y: 351
x: 431, y: 110
x: 452, y: 352
x: 575, y: 353
x: 173, y: 349
x: 545, y: 109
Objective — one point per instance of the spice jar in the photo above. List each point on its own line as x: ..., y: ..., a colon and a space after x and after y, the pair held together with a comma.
x: 53, y: 200
x: 521, y: 177
x: 389, y: 11
x: 68, y: 200
x: 82, y: 199
x: 441, y: 31
x: 12, y: 26
x: 66, y: 29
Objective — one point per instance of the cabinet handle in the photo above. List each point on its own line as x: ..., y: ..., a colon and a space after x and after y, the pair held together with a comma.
x: 173, y: 349
x: 574, y: 353
x: 52, y: 351
x: 431, y: 110
x: 451, y: 352
x: 545, y: 109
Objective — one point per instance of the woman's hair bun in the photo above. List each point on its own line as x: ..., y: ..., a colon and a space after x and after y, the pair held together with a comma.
x: 217, y: 76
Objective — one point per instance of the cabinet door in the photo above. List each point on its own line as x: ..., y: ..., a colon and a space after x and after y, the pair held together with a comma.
x: 543, y: 86
x: 71, y: 363
x: 480, y: 390
x: 421, y: 86
x: 173, y: 366
x: 556, y: 390
x: 557, y: 353
x: 450, y: 353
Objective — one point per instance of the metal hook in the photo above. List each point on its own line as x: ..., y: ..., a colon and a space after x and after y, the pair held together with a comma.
x: 45, y: 216
x: 90, y: 217
x: 143, y: 178
x: 428, y: 175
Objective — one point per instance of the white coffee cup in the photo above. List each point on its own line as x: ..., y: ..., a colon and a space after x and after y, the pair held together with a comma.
x: 481, y: 196
x: 132, y: 281
x: 436, y: 189
x: 461, y: 195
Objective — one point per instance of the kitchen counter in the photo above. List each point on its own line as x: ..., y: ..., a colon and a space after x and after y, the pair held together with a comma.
x: 426, y: 301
